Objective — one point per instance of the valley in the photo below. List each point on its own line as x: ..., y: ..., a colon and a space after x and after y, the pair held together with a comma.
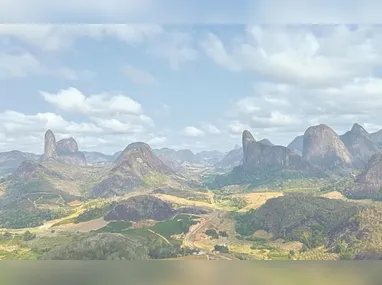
x: 272, y: 203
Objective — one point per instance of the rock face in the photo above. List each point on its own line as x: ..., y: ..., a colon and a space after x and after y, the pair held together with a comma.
x: 247, y: 140
x: 64, y: 151
x: 323, y: 147
x: 140, y: 208
x: 297, y: 144
x: 368, y: 184
x: 377, y: 137
x: 266, y: 141
x: 132, y: 165
x: 94, y: 157
x: 49, y: 146
x: 257, y: 155
x: 359, y: 144
x: 66, y: 146
x: 68, y: 153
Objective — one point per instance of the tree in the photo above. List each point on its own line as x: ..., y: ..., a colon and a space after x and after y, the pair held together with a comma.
x: 27, y: 236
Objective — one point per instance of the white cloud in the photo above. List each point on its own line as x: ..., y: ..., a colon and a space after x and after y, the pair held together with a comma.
x: 320, y: 56
x: 24, y: 64
x: 26, y: 132
x: 18, y: 65
x: 138, y: 76
x: 237, y: 127
x: 175, y: 47
x: 211, y: 129
x: 192, y: 131
x: 357, y: 100
x: 56, y: 37
x: 157, y: 141
x: 73, y: 100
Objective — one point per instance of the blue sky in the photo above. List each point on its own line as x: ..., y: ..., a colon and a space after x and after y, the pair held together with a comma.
x: 195, y: 85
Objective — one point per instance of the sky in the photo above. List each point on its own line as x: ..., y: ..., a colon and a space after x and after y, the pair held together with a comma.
x: 195, y: 79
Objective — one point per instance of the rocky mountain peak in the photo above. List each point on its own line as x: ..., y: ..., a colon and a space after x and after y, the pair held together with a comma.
x: 359, y: 130
x: 68, y: 145
x: 140, y: 158
x: 368, y: 184
x: 49, y: 146
x: 323, y: 147
x: 359, y: 144
x: 247, y: 139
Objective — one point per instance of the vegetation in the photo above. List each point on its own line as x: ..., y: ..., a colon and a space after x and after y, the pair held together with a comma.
x: 103, y: 246
x: 261, y: 177
x: 94, y: 212
x: 30, y: 217
x: 212, y: 233
x: 221, y: 248
x: 28, y: 236
x: 178, y: 225
x: 304, y: 218
x: 115, y: 227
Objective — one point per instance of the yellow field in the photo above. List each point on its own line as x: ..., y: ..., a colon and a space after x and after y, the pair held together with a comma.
x: 256, y: 200
x: 182, y: 201
x: 92, y: 225
x: 334, y: 195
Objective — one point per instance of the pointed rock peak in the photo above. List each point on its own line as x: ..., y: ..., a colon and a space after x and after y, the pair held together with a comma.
x: 247, y: 137
x: 49, y: 146
x: 358, y: 129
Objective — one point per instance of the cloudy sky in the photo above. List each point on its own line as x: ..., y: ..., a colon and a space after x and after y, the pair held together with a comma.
x: 183, y: 84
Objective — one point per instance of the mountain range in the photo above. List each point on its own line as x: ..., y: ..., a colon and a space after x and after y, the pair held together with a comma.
x: 63, y: 165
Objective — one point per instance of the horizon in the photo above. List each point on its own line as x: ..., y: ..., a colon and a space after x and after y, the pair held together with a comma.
x: 177, y: 149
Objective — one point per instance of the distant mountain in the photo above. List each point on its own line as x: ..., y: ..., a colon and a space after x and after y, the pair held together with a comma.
x: 11, y: 160
x: 359, y: 144
x: 368, y: 184
x: 264, y: 156
x: 175, y: 158
x: 47, y: 182
x: 64, y: 151
x: 93, y: 157
x: 297, y: 144
x: 131, y: 167
x: 262, y: 162
x: 377, y: 138
x: 235, y: 156
x: 232, y: 159
x: 209, y: 157
x: 323, y: 147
